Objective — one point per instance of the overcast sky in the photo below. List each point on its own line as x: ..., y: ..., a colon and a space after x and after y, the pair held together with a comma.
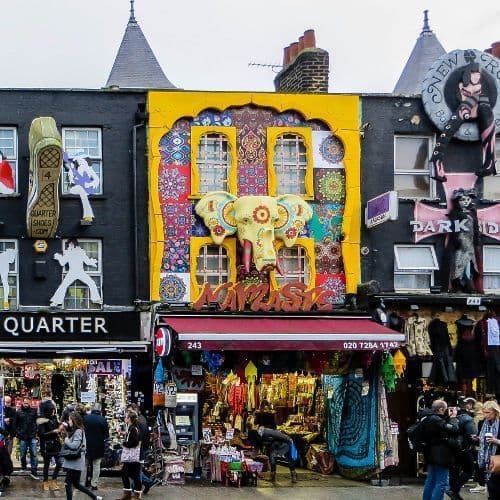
x: 207, y: 45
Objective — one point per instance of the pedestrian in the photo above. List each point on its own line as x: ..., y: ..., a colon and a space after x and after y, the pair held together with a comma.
x: 46, y: 403
x: 6, y: 467
x: 73, y: 453
x: 463, y: 469
x: 96, y: 433
x: 50, y: 445
x: 9, y: 412
x: 489, y: 445
x: 280, y: 446
x: 131, y: 468
x: 439, y: 430
x: 25, y: 426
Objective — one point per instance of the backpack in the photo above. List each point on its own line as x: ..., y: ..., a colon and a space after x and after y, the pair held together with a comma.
x: 416, y: 436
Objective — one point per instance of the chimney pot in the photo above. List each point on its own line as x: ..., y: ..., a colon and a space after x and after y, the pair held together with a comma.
x: 301, y: 44
x: 294, y: 50
x: 309, y: 39
x: 286, y: 56
x: 495, y: 49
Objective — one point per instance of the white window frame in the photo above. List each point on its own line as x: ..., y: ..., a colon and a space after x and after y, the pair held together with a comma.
x: 202, y: 273
x: 301, y: 256
x: 491, y: 272
x: 91, y: 271
x: 13, y: 272
x: 399, y: 270
x: 286, y: 170
x: 428, y: 172
x: 95, y: 159
x: 209, y: 166
x: 13, y: 160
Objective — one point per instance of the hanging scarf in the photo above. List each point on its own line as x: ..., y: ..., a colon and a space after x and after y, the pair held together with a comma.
x: 487, y: 450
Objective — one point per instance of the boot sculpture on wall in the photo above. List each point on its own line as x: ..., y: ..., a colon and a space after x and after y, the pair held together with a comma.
x: 42, y: 213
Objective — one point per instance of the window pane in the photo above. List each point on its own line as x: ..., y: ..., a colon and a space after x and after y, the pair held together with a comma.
x: 290, y: 164
x: 412, y: 186
x: 491, y: 258
x: 411, y: 153
x: 491, y: 187
x: 212, y: 266
x: 416, y: 257
x: 491, y: 282
x: 12, y: 274
x: 214, y: 162
x: 412, y: 281
x: 295, y: 266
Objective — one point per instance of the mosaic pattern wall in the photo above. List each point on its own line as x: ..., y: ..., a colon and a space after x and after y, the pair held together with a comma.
x: 180, y: 222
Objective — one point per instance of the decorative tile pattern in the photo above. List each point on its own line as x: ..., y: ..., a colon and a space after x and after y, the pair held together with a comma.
x: 177, y: 220
x: 328, y: 257
x: 173, y: 183
x: 174, y: 148
x: 328, y: 150
x: 329, y: 185
x: 326, y: 221
x: 288, y: 119
x: 334, y: 283
x: 175, y: 287
x: 176, y: 255
x: 215, y: 118
x: 199, y: 228
x: 252, y: 180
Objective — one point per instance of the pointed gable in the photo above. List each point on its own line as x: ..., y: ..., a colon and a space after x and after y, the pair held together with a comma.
x: 135, y: 65
x: 426, y: 50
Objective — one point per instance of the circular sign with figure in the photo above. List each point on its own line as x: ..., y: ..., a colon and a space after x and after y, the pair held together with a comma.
x: 464, y: 84
x: 163, y: 341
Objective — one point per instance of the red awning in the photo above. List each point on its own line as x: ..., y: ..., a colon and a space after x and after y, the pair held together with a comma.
x: 282, y: 334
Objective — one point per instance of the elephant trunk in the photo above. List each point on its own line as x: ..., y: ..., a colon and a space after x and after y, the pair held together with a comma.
x: 247, y: 255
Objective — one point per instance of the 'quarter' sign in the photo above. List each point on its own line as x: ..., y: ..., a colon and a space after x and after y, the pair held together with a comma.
x: 163, y: 341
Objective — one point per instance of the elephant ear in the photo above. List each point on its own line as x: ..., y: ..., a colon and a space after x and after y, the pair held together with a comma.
x: 217, y: 211
x: 293, y: 213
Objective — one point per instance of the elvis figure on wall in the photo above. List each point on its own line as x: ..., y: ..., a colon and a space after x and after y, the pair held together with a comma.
x: 7, y: 258
x: 75, y: 257
x: 462, y: 245
x: 83, y: 181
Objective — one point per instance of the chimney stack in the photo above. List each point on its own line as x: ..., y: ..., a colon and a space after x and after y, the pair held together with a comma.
x: 305, y: 67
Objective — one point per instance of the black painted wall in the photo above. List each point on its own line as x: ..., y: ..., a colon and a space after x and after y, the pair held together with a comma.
x: 382, y: 118
x: 115, y: 113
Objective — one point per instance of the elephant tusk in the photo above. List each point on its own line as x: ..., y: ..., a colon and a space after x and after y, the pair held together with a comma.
x: 247, y: 254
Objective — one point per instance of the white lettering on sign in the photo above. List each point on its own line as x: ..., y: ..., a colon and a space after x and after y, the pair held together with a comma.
x: 370, y: 345
x: 48, y: 324
x: 446, y: 226
x: 473, y: 301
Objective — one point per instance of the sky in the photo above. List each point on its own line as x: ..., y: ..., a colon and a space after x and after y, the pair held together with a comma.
x: 207, y: 45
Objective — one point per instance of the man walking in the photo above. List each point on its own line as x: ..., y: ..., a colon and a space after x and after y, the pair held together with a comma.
x: 96, y: 433
x: 9, y: 412
x: 25, y: 427
x: 439, y: 431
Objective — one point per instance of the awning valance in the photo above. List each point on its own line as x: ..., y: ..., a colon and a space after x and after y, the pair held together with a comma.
x: 282, y: 334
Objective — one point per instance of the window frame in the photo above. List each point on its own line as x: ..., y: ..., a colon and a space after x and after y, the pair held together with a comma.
x: 14, y: 159
x: 91, y: 272
x: 307, y: 244
x: 497, y: 176
x: 196, y: 133
x: 64, y: 130
x: 273, y: 133
x: 196, y: 243
x: 432, y: 184
x: 493, y: 272
x: 407, y: 270
x: 12, y: 273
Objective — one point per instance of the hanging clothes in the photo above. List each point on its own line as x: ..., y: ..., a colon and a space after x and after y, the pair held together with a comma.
x: 489, y: 331
x: 417, y: 336
x: 389, y: 373
x: 442, y: 371
x: 399, y: 362
x: 468, y: 350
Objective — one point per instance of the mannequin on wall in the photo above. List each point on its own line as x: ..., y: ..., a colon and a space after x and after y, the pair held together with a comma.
x: 442, y: 371
x: 468, y: 350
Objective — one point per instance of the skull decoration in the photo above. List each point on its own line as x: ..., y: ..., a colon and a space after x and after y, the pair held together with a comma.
x: 257, y: 220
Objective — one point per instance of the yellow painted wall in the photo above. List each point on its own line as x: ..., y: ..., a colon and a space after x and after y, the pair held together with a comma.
x: 339, y: 112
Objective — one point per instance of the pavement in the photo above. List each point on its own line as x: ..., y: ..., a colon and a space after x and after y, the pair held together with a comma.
x: 310, y: 486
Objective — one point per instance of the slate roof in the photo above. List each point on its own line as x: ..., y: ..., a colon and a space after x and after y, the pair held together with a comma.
x: 426, y: 51
x: 135, y: 64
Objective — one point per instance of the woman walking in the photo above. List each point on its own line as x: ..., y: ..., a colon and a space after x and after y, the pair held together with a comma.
x: 73, y: 453
x: 50, y: 445
x: 131, y: 469
x: 489, y: 445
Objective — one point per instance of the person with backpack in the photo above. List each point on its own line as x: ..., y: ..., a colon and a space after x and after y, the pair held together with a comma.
x: 439, y: 431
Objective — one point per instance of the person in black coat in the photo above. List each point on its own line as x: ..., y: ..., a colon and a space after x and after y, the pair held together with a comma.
x: 440, y: 431
x: 50, y: 445
x: 96, y: 433
x: 9, y: 412
x: 25, y: 425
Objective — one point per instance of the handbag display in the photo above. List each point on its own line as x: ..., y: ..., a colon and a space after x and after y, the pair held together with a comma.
x: 131, y: 454
x: 495, y: 464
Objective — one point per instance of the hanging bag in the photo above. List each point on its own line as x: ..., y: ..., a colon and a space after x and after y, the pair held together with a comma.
x: 131, y: 454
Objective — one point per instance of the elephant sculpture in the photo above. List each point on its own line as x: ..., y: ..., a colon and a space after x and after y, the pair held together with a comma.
x: 257, y: 220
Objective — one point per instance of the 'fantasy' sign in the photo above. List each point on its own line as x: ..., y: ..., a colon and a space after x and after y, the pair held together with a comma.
x: 290, y: 297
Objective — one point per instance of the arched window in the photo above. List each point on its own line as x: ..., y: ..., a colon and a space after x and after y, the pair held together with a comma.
x: 212, y: 266
x: 297, y: 263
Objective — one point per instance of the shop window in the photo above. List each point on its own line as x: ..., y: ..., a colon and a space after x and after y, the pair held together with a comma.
x: 8, y: 161
x: 9, y: 290
x: 412, y: 168
x: 78, y: 294
x: 414, y: 267
x: 84, y: 144
x: 213, y: 158
x: 291, y: 170
x: 491, y: 268
x: 211, y: 263
x: 296, y: 262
